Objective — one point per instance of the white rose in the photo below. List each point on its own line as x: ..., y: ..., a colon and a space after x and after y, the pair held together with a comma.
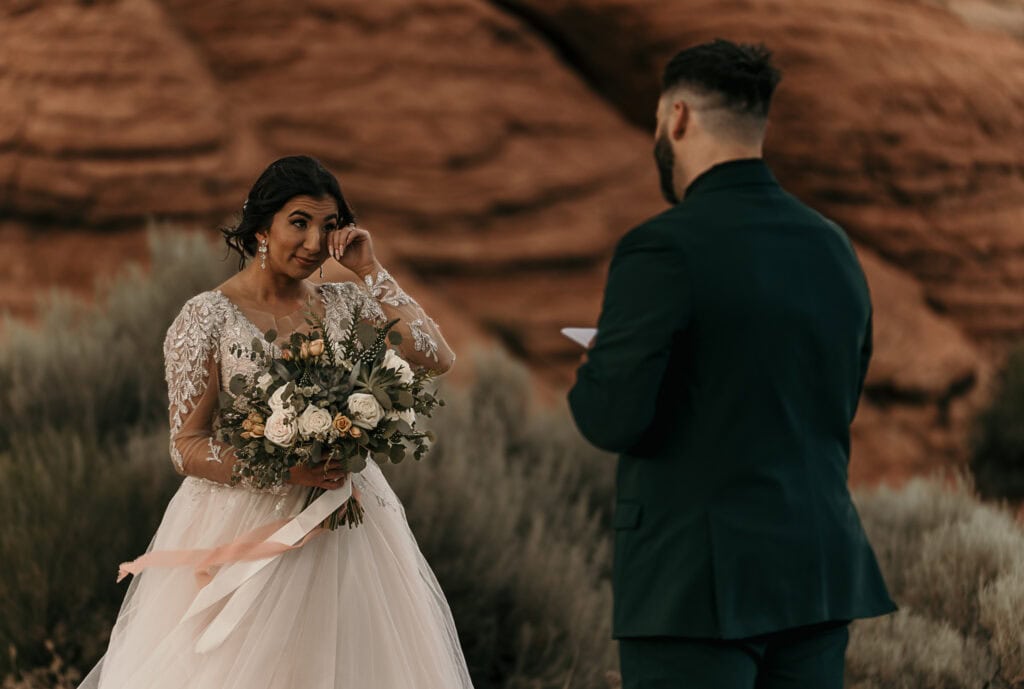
x: 407, y: 415
x: 281, y: 429
x: 365, y: 410
x: 314, y: 421
x: 264, y: 381
x: 399, y: 366
x: 276, y: 400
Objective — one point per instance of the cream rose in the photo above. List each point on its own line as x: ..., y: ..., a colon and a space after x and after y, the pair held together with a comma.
x: 277, y: 402
x: 407, y: 415
x: 365, y: 410
x: 264, y: 381
x: 281, y: 429
x: 314, y: 421
x: 316, y: 347
x: 399, y: 366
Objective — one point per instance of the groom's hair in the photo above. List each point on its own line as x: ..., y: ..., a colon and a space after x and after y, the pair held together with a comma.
x: 735, y: 77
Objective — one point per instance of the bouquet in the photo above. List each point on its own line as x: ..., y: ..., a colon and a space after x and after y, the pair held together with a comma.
x: 321, y: 400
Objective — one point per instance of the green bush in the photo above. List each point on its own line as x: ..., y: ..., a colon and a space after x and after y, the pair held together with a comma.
x: 98, y: 370
x: 512, y: 510
x: 998, y: 454
x: 956, y: 567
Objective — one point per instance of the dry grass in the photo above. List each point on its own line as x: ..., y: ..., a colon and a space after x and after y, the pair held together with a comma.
x: 512, y: 510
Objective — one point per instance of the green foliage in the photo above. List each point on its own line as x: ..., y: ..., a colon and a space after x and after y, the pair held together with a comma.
x: 81, y: 369
x: 998, y: 452
x: 511, y: 508
x: 956, y: 567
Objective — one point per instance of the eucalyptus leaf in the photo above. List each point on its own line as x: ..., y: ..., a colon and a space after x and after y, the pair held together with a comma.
x: 270, y: 335
x: 237, y: 384
x: 395, y: 338
x: 356, y: 463
x: 405, y: 399
x: 396, y: 453
x: 367, y: 334
x: 383, y: 398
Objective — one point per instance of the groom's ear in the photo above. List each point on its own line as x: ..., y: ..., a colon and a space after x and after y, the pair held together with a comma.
x: 679, y: 119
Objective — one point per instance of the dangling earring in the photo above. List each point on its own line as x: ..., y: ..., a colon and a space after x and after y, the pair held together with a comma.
x: 321, y: 271
x: 263, y: 254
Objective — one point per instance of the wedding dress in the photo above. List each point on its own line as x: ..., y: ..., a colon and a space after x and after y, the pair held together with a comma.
x: 352, y: 608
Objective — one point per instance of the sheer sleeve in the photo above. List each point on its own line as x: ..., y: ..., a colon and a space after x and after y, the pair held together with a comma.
x: 193, y: 385
x: 422, y: 342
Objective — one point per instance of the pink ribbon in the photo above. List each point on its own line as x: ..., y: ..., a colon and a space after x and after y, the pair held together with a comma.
x: 252, y: 545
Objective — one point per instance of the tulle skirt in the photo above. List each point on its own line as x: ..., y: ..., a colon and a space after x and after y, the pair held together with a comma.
x: 352, y: 608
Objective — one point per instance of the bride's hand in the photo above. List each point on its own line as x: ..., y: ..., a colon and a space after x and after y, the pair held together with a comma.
x: 317, y: 475
x: 352, y: 247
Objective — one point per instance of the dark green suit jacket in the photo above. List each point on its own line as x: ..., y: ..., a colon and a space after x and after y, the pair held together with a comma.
x: 730, y: 355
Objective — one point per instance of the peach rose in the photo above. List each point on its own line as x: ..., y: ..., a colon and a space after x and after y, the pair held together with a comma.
x: 316, y: 347
x: 355, y: 432
x: 341, y: 423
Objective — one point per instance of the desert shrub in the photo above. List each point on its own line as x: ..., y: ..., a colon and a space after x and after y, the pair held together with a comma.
x: 98, y: 369
x: 73, y: 508
x: 84, y: 475
x: 997, y: 459
x: 956, y: 568
x: 512, y: 510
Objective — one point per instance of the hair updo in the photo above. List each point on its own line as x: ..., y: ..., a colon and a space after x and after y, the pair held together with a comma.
x: 283, y: 179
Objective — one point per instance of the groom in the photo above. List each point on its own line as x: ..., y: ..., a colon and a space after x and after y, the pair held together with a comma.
x: 730, y: 355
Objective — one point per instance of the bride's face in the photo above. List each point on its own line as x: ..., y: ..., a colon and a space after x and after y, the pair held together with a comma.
x: 297, y: 239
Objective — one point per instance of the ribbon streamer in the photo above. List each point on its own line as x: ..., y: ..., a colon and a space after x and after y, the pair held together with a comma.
x: 244, y: 558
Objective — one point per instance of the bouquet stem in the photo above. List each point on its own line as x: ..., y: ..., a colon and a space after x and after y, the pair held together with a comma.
x: 349, y: 514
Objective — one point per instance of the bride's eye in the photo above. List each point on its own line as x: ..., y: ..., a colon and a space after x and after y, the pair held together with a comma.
x: 301, y: 224
x: 329, y: 228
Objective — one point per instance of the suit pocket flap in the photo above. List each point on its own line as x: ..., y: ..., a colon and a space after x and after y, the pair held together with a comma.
x: 627, y: 515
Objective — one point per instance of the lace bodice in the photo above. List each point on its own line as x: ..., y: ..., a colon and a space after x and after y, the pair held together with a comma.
x: 200, y: 356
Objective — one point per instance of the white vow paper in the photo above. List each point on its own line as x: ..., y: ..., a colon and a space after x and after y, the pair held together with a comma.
x: 582, y: 336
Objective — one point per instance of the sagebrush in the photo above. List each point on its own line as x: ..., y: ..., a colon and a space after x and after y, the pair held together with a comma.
x: 512, y: 509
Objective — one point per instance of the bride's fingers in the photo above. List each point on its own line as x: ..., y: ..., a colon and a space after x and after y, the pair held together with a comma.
x: 354, y: 236
x: 341, y: 240
x: 337, y: 242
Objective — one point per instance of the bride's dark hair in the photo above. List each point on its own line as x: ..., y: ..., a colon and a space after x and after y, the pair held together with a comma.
x: 284, y: 179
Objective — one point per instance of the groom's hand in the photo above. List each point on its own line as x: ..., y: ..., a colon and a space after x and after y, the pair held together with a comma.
x: 585, y: 357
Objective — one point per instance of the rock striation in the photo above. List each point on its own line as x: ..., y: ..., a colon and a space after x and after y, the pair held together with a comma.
x: 499, y: 149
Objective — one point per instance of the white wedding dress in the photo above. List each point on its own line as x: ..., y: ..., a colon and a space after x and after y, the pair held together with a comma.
x: 354, y: 608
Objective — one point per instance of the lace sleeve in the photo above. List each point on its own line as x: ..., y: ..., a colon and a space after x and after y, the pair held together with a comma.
x: 193, y: 384
x: 422, y: 342
x: 382, y: 300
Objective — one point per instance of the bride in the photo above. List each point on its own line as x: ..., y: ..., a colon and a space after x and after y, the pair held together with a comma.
x: 348, y: 608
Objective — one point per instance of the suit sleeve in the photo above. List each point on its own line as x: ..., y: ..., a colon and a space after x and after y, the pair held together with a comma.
x: 646, y: 304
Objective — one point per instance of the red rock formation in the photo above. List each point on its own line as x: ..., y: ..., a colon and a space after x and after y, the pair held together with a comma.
x: 498, y: 153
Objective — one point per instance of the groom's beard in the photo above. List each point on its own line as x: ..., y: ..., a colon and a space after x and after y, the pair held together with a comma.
x: 665, y: 157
